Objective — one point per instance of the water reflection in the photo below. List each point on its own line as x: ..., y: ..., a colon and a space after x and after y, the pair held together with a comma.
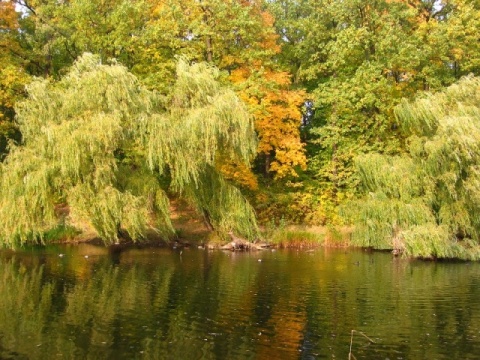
x: 162, y: 304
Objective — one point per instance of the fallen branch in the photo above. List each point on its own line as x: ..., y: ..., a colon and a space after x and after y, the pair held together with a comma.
x: 350, y: 354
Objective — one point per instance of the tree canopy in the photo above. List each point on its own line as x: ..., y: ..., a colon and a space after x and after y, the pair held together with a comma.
x: 99, y: 143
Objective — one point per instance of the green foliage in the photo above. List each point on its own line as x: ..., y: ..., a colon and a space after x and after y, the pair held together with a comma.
x: 197, y: 104
x: 56, y: 33
x: 90, y: 138
x: 427, y: 241
x: 61, y: 232
x: 378, y: 220
x: 395, y: 176
x: 213, y: 195
x: 426, y: 203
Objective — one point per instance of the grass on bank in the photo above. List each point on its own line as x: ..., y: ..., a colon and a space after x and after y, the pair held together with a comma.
x: 296, y: 236
x: 65, y: 232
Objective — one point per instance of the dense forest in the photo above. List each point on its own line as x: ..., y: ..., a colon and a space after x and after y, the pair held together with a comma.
x: 315, y: 112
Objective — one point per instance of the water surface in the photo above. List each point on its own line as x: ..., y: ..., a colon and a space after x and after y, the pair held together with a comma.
x: 162, y: 304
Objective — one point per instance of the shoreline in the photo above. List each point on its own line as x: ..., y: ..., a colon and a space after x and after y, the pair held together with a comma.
x: 293, y: 236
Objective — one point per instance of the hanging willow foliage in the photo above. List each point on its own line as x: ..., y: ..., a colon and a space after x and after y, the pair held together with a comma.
x: 426, y: 203
x: 97, y: 142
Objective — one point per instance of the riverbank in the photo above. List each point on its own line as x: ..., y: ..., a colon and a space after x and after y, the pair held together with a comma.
x: 195, y: 234
x: 191, y: 230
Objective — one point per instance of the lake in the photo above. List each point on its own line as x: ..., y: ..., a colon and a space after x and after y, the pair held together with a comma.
x: 82, y: 301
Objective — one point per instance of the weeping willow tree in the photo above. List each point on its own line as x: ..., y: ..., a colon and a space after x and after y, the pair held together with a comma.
x: 100, y: 151
x: 427, y: 202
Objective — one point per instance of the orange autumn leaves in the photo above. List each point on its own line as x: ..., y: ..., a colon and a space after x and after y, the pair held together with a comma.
x: 8, y: 16
x: 238, y: 37
x: 277, y: 122
x: 278, y: 117
x: 275, y: 107
x: 277, y: 114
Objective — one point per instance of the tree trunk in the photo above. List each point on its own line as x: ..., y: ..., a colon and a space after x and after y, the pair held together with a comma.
x: 207, y: 220
x: 268, y: 161
x: 208, y: 43
x: 208, y: 38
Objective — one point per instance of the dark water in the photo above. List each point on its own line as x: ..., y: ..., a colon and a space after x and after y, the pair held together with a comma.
x: 158, y: 304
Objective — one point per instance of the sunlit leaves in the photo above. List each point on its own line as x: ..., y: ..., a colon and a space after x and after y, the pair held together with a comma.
x: 90, y: 136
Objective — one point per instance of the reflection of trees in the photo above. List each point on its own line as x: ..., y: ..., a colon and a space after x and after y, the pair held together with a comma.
x: 229, y: 305
x: 25, y: 305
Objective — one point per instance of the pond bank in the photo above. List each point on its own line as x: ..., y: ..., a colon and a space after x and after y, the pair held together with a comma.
x: 196, y: 235
x: 191, y: 231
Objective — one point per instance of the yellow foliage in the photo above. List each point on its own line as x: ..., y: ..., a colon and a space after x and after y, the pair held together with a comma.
x: 270, y: 41
x: 12, y: 87
x: 239, y: 75
x: 278, y: 124
x: 277, y: 117
x: 278, y: 77
x: 8, y: 16
x: 238, y: 173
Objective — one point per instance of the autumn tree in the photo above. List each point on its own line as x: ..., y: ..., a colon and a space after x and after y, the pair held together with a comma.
x: 147, y: 35
x: 98, y: 143
x: 239, y: 38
